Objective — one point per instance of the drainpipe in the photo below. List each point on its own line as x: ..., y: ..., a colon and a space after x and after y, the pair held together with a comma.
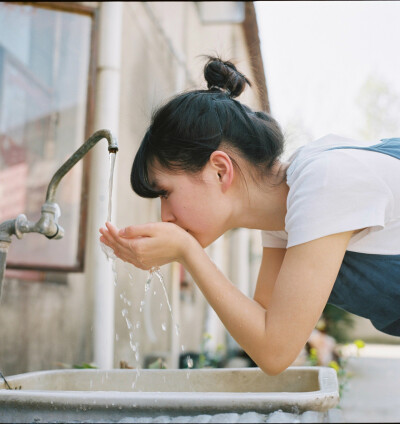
x: 175, y: 340
x: 99, y: 271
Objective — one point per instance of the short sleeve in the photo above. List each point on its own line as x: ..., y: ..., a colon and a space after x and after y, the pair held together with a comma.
x: 332, y: 194
x: 274, y: 239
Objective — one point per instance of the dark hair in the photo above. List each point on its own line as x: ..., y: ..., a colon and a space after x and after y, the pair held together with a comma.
x: 185, y: 131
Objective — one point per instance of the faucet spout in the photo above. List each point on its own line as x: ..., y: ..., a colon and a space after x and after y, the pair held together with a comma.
x: 48, y: 221
x: 79, y: 154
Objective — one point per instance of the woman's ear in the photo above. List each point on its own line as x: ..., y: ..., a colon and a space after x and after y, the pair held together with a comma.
x: 222, y: 166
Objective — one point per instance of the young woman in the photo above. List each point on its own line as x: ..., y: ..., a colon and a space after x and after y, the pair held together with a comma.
x: 330, y: 217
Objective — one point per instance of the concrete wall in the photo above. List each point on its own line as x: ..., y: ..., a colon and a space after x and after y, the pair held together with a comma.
x: 44, y: 323
x: 161, y: 46
x: 49, y: 322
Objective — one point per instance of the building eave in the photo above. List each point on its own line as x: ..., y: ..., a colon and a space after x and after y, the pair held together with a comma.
x: 250, y: 28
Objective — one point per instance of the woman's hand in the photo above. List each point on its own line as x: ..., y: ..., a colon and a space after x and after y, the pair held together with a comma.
x: 148, y: 245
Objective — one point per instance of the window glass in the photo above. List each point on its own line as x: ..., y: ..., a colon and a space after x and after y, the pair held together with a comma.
x: 44, y: 68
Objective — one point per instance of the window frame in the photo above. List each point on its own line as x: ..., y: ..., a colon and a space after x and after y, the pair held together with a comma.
x: 29, y: 271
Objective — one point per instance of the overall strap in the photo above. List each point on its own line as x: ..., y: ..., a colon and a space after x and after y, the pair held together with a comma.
x: 388, y: 146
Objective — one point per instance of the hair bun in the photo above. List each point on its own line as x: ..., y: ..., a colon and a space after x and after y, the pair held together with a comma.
x: 225, y: 76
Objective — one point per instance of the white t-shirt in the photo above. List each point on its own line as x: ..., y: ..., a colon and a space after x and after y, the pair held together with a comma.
x: 341, y: 190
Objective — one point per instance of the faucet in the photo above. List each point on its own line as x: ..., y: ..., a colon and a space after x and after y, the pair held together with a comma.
x: 50, y: 212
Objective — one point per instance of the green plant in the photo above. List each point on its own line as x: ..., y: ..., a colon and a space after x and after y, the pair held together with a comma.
x: 339, y: 365
x: 84, y: 365
x: 336, y: 322
x: 205, y: 358
x: 158, y: 364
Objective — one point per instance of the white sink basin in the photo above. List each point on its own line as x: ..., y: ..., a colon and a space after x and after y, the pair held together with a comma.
x: 107, y: 395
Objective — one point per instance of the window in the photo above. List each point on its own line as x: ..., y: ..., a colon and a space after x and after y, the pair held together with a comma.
x: 44, y: 80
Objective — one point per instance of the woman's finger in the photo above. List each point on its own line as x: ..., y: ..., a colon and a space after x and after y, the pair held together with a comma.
x: 109, y: 241
x: 121, y: 248
x: 145, y: 230
x: 113, y: 233
x: 112, y: 229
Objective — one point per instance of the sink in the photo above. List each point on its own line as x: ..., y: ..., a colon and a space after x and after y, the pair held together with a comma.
x: 110, y: 395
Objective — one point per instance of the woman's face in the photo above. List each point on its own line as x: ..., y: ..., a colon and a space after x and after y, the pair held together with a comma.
x: 195, y: 203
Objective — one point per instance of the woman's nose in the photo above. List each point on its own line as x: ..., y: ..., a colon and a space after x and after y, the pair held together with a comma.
x: 166, y: 213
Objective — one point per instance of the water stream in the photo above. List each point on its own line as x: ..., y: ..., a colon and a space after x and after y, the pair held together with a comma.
x: 154, y: 271
x: 110, y: 185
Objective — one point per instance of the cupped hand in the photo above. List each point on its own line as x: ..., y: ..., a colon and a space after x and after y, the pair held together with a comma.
x: 148, y: 245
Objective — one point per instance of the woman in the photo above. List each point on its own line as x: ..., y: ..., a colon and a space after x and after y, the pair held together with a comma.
x: 330, y: 217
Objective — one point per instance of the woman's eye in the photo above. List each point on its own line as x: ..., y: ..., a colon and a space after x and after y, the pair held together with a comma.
x: 164, y: 196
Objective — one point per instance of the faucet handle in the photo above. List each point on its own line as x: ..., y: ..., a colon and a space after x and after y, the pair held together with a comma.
x: 48, y: 224
x: 58, y: 235
x: 22, y: 225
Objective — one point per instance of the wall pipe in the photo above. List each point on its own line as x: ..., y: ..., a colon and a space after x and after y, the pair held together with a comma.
x: 98, y: 269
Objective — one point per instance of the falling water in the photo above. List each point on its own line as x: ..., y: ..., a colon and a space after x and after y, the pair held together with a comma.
x: 107, y: 250
x: 156, y: 271
x: 110, y: 184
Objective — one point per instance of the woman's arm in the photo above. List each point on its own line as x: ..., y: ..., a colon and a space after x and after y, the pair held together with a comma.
x: 274, y: 338
x: 271, y: 264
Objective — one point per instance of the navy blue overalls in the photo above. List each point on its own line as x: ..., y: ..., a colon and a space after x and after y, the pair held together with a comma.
x: 368, y: 285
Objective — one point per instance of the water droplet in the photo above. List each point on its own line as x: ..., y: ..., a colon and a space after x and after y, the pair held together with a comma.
x: 124, y: 312
x: 147, y: 285
x: 164, y: 326
x: 138, y: 324
x: 189, y: 362
x: 137, y: 356
x: 160, y: 306
x: 128, y: 323
x: 108, y: 251
x: 177, y: 329
x: 182, y: 348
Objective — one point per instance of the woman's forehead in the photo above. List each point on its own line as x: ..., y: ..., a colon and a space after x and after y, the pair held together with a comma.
x: 154, y: 176
x: 159, y: 176
x: 157, y: 173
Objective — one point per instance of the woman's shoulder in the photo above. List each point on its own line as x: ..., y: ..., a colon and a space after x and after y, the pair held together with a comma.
x: 317, y: 153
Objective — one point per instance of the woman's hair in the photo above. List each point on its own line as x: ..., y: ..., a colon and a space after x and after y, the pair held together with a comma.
x: 185, y: 131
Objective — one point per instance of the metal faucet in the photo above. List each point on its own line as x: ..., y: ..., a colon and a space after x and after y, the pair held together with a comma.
x: 48, y: 221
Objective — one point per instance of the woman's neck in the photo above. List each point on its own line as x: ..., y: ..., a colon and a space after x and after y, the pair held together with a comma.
x: 261, y: 205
